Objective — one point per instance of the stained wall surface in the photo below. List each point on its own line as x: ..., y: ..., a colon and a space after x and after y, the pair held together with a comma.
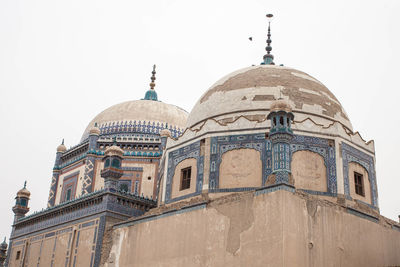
x: 240, y: 168
x: 309, y: 171
x: 279, y: 228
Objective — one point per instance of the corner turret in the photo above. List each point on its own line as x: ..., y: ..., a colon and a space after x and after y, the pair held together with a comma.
x: 112, y: 167
x: 281, y: 135
x: 21, y: 203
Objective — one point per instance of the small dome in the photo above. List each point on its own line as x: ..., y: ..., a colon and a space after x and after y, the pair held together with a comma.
x: 144, y: 116
x: 151, y: 95
x: 281, y: 104
x: 24, y: 192
x: 250, y: 92
x: 165, y: 132
x: 94, y: 130
x: 114, y: 151
x: 61, y: 148
x: 4, y: 244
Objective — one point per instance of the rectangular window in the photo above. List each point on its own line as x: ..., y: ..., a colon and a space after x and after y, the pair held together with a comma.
x: 186, y: 173
x: 18, y: 255
x: 68, y: 194
x: 359, y: 184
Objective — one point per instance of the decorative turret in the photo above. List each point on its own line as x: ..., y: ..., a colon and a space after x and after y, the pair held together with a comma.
x: 151, y: 93
x: 94, y: 134
x: 281, y: 134
x: 21, y: 203
x: 60, y: 150
x: 3, y: 252
x: 112, y: 167
x: 268, y: 58
x: 165, y: 133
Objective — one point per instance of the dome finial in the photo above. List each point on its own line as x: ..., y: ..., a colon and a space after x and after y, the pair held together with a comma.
x: 268, y: 58
x: 153, y: 77
x: 25, y: 184
x: 151, y: 93
x: 62, y: 142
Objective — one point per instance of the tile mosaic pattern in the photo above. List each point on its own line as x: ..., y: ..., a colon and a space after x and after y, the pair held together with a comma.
x: 138, y: 127
x: 351, y: 154
x: 174, y: 158
x: 326, y: 149
x: 222, y: 144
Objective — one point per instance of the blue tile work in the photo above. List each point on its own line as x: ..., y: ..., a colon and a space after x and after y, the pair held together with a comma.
x: 53, y: 188
x: 174, y: 158
x: 351, y: 154
x: 88, y: 175
x: 222, y: 144
x: 138, y: 127
x: 326, y: 149
x: 99, y: 242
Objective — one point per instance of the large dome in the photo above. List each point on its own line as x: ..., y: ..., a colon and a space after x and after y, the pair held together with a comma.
x: 144, y: 116
x: 250, y: 92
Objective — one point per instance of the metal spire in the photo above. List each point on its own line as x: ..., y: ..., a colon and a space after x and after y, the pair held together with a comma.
x: 25, y: 184
x: 151, y: 93
x: 268, y: 58
x: 62, y: 141
x: 153, y: 77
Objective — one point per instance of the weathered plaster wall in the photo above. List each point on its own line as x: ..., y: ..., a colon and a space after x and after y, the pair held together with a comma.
x: 355, y: 167
x: 275, y: 229
x: 176, y: 182
x: 309, y: 171
x: 75, y: 243
x: 240, y: 168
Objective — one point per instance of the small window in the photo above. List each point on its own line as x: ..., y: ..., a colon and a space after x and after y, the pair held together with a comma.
x: 107, y: 163
x: 185, y: 178
x: 68, y: 194
x: 281, y: 120
x: 149, y: 178
x: 115, y: 163
x: 359, y: 184
x: 18, y: 255
x: 274, y: 122
x: 23, y: 202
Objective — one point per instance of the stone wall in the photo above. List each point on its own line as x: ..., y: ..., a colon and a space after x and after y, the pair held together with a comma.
x: 257, y: 228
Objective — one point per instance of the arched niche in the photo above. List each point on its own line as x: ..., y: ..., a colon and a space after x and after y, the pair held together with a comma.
x: 181, y: 172
x: 309, y: 171
x: 356, y: 169
x: 240, y: 168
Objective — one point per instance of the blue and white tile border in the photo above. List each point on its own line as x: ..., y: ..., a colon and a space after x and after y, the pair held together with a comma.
x: 351, y: 154
x: 177, y: 156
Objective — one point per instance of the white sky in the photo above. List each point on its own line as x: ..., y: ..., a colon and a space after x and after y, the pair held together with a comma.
x: 63, y: 62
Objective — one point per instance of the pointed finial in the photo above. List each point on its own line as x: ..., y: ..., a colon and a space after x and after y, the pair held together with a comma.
x: 62, y: 141
x: 25, y: 184
x: 4, y: 241
x: 153, y: 78
x: 151, y: 93
x: 268, y: 58
x: 114, y: 140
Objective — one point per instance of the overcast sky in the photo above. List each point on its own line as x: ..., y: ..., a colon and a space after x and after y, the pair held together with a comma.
x: 63, y: 62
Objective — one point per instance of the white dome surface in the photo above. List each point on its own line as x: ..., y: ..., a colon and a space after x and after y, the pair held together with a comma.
x: 250, y: 92
x: 145, y: 111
